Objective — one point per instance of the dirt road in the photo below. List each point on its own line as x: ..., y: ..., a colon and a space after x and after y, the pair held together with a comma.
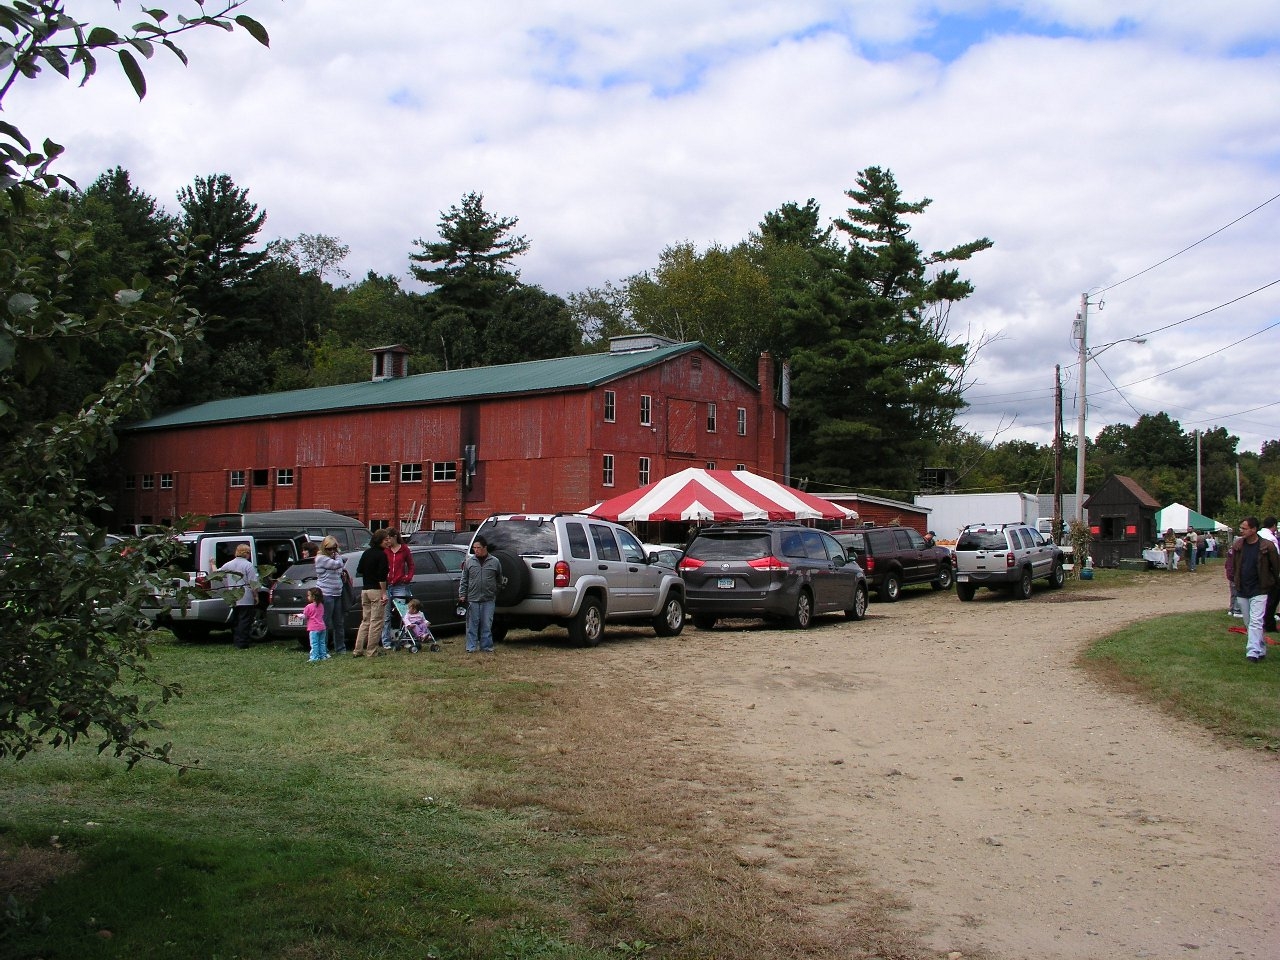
x: 952, y: 756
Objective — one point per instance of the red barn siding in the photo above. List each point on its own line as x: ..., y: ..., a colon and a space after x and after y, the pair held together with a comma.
x: 542, y: 452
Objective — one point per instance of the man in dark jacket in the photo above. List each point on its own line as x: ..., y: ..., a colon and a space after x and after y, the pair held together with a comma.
x: 372, y: 571
x: 1255, y: 572
x: 478, y: 589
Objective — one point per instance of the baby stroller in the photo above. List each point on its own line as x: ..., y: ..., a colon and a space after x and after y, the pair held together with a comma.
x: 413, y: 630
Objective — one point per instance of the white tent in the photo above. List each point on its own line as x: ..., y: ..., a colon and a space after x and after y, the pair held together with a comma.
x: 1180, y: 517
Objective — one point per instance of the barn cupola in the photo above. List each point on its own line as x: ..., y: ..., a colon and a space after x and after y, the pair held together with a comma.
x: 390, y: 363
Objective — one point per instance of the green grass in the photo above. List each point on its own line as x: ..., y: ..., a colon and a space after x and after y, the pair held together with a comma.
x: 328, y: 817
x: 1191, y: 665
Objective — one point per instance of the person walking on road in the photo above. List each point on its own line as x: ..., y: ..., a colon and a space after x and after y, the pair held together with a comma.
x: 372, y: 571
x: 478, y: 589
x: 1255, y: 572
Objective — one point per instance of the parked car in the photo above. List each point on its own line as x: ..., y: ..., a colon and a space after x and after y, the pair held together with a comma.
x: 350, y: 533
x: 191, y: 604
x: 1008, y: 556
x: 896, y: 557
x: 578, y: 572
x: 664, y: 554
x: 437, y: 570
x: 774, y: 571
x: 424, y: 537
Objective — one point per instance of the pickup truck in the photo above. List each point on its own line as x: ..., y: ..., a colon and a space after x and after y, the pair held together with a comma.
x: 192, y: 605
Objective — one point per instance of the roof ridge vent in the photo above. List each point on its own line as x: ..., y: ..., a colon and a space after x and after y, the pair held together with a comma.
x: 390, y: 362
x: 633, y: 342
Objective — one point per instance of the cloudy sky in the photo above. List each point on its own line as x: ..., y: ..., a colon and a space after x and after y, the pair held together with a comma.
x: 1089, y: 139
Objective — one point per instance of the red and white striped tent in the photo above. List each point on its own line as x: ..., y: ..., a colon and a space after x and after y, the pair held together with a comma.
x: 696, y: 494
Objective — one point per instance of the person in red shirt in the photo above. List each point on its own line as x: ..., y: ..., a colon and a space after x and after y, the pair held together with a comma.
x: 399, y: 577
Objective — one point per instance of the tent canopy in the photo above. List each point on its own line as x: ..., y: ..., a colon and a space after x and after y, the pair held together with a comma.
x: 696, y: 494
x: 1180, y: 518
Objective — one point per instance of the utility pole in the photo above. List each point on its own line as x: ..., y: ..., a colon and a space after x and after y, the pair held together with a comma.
x: 1057, y: 453
x: 1199, y: 509
x: 1081, y: 332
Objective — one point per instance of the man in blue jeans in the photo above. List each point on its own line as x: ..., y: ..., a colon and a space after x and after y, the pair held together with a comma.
x: 1255, y: 571
x: 478, y: 589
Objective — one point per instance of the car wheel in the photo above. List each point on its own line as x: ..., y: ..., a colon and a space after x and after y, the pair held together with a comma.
x: 1058, y: 577
x: 515, y: 579
x: 258, y: 629
x: 965, y: 591
x: 1022, y: 589
x: 943, y: 582
x: 859, y: 608
x: 498, y: 630
x: 891, y: 590
x: 586, y: 629
x: 703, y: 621
x: 804, y: 611
x: 670, y: 621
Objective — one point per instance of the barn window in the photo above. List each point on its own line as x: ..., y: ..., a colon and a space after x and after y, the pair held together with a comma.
x: 646, y: 410
x: 444, y: 470
x: 608, y: 469
x: 711, y: 464
x: 261, y: 478
x: 742, y: 421
x: 410, y: 473
x: 166, y: 481
x: 644, y: 471
x: 130, y: 482
x: 711, y: 418
x: 148, y: 481
x: 740, y: 466
x: 379, y: 473
x: 237, y: 478
x: 610, y: 406
x: 284, y: 477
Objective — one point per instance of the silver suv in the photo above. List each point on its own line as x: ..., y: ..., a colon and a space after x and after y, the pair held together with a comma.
x: 578, y: 571
x: 1009, y: 555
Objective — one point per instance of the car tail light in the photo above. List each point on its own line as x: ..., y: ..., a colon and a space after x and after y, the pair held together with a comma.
x: 561, y: 574
x: 201, y: 581
x: 869, y: 564
x: 689, y: 563
x: 954, y: 563
x: 1009, y: 560
x: 768, y: 564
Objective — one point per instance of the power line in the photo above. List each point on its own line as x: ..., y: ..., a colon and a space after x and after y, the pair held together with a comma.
x: 1185, y: 249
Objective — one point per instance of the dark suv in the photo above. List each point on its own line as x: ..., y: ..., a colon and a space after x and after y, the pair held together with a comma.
x: 896, y: 557
x: 1009, y: 555
x: 770, y: 570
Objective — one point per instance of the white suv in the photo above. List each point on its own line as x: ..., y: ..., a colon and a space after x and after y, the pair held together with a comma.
x: 1009, y: 555
x: 578, y: 571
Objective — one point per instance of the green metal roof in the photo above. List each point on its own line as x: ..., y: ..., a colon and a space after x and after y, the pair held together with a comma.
x: 534, y: 376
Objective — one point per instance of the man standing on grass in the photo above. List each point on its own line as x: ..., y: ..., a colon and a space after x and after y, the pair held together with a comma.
x: 1268, y: 532
x: 478, y: 589
x: 1255, y: 572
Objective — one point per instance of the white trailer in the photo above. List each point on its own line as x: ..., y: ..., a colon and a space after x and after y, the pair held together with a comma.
x: 952, y: 512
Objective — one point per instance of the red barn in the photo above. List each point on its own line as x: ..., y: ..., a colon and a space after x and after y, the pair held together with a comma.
x: 455, y: 446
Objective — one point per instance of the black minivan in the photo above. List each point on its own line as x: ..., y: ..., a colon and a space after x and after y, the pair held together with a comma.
x: 772, y: 571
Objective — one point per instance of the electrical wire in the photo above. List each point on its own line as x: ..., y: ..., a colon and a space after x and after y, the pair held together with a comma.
x: 1196, y: 244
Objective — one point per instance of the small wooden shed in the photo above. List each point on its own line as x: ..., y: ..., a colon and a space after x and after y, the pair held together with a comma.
x: 1122, y: 520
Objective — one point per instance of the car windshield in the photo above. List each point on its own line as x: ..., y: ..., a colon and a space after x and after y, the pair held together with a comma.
x: 851, y: 541
x: 526, y: 537
x: 731, y: 546
x: 981, y: 540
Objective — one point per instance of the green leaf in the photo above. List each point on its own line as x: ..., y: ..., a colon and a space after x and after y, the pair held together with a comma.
x: 12, y: 132
x: 101, y: 37
x: 144, y: 47
x: 134, y: 73
x: 254, y: 29
x: 127, y: 298
x: 21, y: 304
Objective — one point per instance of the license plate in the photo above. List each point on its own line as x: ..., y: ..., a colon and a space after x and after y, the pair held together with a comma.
x: 296, y: 620
x: 725, y: 583
x: 962, y: 578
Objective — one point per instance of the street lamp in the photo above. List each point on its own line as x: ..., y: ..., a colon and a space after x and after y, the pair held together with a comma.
x: 1080, y: 332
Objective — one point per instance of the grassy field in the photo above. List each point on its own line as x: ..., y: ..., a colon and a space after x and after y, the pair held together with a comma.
x: 1191, y: 666
x: 328, y: 816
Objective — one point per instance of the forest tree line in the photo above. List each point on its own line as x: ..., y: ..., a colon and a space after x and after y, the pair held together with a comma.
x: 854, y: 305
